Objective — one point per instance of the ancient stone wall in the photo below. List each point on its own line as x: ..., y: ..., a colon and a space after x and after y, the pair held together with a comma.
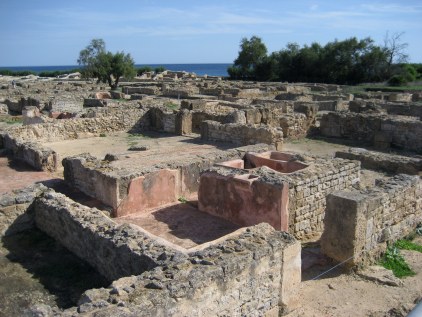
x: 378, y: 130
x: 385, y: 162
x: 243, y: 199
x: 111, y: 186
x: 308, y: 190
x: 32, y: 153
x: 358, y: 224
x: 122, y: 120
x: 114, y: 250
x: 255, y: 272
x: 16, y: 215
x: 241, y: 134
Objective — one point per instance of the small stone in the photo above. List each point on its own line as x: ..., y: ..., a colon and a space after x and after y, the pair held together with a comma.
x: 111, y: 157
x: 154, y: 285
x: 138, y: 148
x: 330, y: 286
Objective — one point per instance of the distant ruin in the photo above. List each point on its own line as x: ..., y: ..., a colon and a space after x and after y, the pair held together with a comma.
x: 205, y: 211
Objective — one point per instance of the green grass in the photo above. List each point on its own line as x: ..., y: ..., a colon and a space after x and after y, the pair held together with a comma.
x: 382, y: 87
x: 172, y: 105
x: 393, y: 260
x: 408, y: 245
x: 133, y: 138
x: 182, y: 199
x: 11, y: 120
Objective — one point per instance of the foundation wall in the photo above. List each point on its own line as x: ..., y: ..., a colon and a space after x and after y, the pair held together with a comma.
x: 389, y: 163
x: 79, y: 128
x: 40, y: 158
x: 253, y: 273
x: 84, y: 172
x: 241, y: 134
x: 307, y: 195
x: 16, y: 213
x: 381, y: 131
x: 145, y: 192
x: 244, y: 200
x: 359, y: 224
x: 112, y: 187
x: 115, y: 251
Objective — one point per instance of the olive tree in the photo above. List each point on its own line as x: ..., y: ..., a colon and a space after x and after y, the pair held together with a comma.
x: 252, y: 53
x: 105, y: 66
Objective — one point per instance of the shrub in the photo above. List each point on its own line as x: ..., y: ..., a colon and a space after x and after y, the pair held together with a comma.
x: 397, y: 80
x: 159, y: 69
x: 57, y: 72
x: 8, y: 72
x: 143, y: 69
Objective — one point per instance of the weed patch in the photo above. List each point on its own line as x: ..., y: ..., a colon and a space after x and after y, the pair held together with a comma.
x: 395, y: 262
x: 408, y: 245
x: 172, y: 106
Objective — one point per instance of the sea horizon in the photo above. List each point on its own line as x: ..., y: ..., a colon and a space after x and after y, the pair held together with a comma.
x: 201, y: 69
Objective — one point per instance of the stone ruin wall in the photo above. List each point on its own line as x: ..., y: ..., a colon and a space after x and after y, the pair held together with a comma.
x: 359, y: 224
x: 16, y: 212
x: 307, y: 195
x: 255, y: 271
x: 389, y: 163
x: 114, y: 250
x: 24, y: 141
x: 99, y: 179
x: 381, y: 131
x: 241, y: 134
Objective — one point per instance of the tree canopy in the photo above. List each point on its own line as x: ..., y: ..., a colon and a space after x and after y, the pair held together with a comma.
x: 107, y: 67
x: 252, y: 53
x: 350, y: 61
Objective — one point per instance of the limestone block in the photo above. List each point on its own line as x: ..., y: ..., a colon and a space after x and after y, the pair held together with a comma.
x: 345, y: 227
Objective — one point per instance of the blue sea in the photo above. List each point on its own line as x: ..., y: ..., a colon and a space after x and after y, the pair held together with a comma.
x: 199, y: 69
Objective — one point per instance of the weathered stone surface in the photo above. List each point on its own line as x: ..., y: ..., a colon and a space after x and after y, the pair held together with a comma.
x: 380, y: 275
x: 379, y: 130
x: 241, y: 134
x: 115, y: 251
x: 15, y: 212
x: 253, y: 273
x: 389, y: 163
x: 358, y: 224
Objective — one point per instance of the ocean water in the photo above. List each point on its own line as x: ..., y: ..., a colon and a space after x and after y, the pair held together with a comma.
x: 199, y: 69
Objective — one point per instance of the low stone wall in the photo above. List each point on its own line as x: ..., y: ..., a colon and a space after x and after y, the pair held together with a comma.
x: 241, y: 134
x: 32, y: 153
x: 23, y: 141
x: 16, y: 215
x: 359, y: 224
x: 378, y: 130
x: 253, y: 273
x: 78, y: 128
x: 389, y: 163
x: 243, y: 199
x: 112, y: 186
x: 162, y: 120
x: 114, y: 250
x: 308, y: 190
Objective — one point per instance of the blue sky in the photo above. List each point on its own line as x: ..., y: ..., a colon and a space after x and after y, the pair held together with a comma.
x: 52, y: 32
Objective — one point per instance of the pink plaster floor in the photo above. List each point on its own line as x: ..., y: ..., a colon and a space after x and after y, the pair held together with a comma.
x: 16, y: 175
x: 181, y: 224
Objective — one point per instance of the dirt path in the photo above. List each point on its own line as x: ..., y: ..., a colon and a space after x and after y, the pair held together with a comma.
x: 340, y: 294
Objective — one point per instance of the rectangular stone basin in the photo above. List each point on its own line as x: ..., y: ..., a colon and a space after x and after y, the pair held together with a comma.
x: 182, y: 224
x: 278, y: 161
